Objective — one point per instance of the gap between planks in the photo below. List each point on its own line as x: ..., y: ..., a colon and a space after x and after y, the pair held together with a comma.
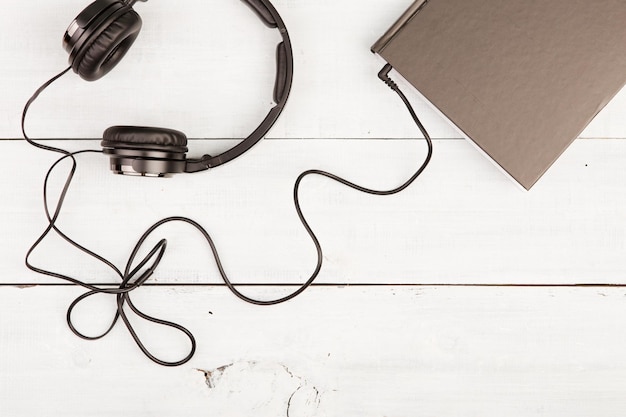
x: 342, y: 285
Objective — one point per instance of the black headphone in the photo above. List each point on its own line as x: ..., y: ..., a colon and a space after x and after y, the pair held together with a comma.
x: 100, y: 37
x: 96, y: 41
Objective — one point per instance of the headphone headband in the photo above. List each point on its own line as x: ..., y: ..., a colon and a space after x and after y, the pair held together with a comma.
x: 282, y: 86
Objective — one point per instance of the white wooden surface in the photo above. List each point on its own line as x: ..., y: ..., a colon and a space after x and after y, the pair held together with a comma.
x: 425, y: 308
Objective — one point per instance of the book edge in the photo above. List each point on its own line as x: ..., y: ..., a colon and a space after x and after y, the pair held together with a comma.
x: 391, y: 33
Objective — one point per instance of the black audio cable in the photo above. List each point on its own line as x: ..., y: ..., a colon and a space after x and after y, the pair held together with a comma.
x: 133, y: 277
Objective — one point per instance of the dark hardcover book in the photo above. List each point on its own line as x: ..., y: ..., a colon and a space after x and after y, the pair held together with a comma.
x: 521, y: 79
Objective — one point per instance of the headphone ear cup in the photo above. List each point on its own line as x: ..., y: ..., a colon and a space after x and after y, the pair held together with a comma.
x: 155, y: 137
x: 102, y: 54
x: 145, y: 151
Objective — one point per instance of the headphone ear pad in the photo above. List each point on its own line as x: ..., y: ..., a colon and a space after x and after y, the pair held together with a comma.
x: 103, y: 53
x: 147, y: 151
x: 157, y: 137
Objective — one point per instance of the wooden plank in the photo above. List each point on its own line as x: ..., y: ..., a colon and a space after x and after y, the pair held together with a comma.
x: 229, y: 55
x: 339, y: 351
x: 463, y: 222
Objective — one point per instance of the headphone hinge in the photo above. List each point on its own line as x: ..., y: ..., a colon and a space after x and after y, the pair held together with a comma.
x: 197, y: 165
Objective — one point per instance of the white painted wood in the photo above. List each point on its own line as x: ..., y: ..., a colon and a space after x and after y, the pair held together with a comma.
x: 351, y: 351
x: 354, y: 351
x: 462, y: 222
x: 228, y: 54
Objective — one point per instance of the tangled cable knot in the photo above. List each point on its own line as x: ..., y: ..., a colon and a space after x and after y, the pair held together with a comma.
x: 133, y: 279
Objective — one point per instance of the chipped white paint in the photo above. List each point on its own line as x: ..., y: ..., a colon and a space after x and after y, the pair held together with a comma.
x: 260, y: 389
x: 336, y: 351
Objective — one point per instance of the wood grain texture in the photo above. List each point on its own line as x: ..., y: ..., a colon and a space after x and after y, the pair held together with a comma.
x: 352, y: 351
x: 229, y: 56
x: 362, y: 348
x: 462, y: 222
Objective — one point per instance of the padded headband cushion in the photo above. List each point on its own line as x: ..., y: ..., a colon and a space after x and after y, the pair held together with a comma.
x: 136, y: 135
x: 109, y: 47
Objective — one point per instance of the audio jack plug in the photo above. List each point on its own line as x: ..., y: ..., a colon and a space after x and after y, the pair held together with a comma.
x: 384, y: 76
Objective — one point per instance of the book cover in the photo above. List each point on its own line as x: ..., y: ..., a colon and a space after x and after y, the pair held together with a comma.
x: 521, y: 80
